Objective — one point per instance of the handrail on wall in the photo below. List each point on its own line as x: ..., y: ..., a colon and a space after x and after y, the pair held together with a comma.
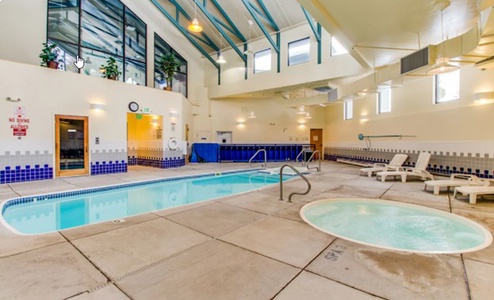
x: 310, y: 159
x: 294, y: 193
x: 265, y: 164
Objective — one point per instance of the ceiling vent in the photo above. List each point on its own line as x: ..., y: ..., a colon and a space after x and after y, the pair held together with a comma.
x: 323, y: 89
x: 333, y: 95
x: 417, y: 60
x: 487, y: 63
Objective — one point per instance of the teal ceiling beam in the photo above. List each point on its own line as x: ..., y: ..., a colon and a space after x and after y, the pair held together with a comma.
x: 184, y: 31
x: 316, y: 29
x: 219, y: 26
x: 205, y: 38
x: 232, y: 28
x: 256, y: 14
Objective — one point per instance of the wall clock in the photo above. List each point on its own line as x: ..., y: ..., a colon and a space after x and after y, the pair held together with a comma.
x: 133, y: 106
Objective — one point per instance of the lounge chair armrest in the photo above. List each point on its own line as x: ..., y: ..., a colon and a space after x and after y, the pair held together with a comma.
x: 379, y: 165
x: 463, y: 176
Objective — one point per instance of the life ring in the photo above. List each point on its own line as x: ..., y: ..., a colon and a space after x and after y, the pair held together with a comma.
x: 172, y: 144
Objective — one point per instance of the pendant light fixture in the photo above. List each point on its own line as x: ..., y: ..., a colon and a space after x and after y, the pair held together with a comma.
x: 195, y: 26
x: 249, y: 47
x: 221, y: 59
x: 442, y: 62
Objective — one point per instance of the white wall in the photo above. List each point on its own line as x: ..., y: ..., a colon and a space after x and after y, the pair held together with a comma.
x: 45, y: 93
x: 457, y: 126
x: 276, y: 121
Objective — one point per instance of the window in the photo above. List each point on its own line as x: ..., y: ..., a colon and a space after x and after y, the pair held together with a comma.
x: 262, y: 61
x: 97, y: 30
x: 298, y: 52
x: 384, y: 100
x: 179, y: 82
x: 336, y: 47
x: 447, y: 86
x: 348, y: 109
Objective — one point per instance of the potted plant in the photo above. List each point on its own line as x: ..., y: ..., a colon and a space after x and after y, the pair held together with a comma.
x: 168, y: 63
x: 49, y: 55
x: 110, y: 69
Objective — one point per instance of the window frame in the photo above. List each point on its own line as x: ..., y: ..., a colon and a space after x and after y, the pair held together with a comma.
x: 166, y: 49
x: 380, y: 99
x: 81, y: 45
x: 254, y: 61
x: 288, y: 52
x: 347, y: 109
x: 436, y: 87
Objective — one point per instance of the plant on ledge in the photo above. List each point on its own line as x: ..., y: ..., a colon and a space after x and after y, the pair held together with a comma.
x: 49, y: 55
x: 168, y: 63
x: 110, y: 69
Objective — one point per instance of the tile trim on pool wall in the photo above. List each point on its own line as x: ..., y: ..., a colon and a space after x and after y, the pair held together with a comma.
x: 44, y: 197
x: 441, y: 162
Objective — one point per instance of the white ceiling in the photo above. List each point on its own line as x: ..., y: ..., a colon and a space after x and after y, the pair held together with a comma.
x: 376, y: 32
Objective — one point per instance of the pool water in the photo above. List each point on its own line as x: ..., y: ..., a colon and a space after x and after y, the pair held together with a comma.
x: 48, y: 213
x: 396, y: 226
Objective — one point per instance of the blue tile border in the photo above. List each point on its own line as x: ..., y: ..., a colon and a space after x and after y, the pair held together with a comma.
x: 12, y: 174
x: 110, y: 167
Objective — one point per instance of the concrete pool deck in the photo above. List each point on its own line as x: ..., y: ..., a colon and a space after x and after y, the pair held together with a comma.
x: 250, y: 246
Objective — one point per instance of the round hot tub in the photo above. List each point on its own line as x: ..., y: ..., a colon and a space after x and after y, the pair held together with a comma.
x: 396, y: 226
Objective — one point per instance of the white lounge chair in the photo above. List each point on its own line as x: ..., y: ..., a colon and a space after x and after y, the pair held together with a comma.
x: 455, y: 180
x: 394, y: 165
x: 420, y: 170
x: 473, y: 192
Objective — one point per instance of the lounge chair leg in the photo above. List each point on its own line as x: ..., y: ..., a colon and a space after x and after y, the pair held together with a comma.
x: 473, y: 198
x: 436, y: 190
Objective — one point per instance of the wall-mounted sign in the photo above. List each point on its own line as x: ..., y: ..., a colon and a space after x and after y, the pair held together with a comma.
x: 146, y: 110
x: 19, y: 123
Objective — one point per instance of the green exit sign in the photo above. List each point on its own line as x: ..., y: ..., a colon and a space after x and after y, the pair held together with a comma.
x: 146, y: 110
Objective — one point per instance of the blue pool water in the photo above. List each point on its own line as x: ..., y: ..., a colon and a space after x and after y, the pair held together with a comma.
x: 48, y: 213
x: 396, y: 226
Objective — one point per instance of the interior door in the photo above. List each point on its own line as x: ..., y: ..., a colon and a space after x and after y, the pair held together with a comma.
x: 71, y: 146
x: 316, y: 140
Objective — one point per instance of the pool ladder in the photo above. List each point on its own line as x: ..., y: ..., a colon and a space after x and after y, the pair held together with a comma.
x: 306, y: 163
x: 263, y: 164
x: 294, y: 193
x: 310, y: 159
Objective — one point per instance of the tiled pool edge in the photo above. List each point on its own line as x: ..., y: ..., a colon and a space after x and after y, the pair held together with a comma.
x: 48, y: 196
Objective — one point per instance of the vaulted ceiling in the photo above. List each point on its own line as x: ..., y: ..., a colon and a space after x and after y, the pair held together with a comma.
x: 379, y: 32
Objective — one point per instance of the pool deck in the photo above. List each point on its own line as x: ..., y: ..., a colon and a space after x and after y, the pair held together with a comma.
x: 250, y: 246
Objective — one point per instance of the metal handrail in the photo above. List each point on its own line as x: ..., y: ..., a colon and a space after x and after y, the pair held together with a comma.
x: 301, y: 152
x: 265, y: 164
x: 294, y: 193
x: 310, y: 158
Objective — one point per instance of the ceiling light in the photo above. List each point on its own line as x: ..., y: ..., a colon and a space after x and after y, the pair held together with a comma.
x: 442, y: 62
x: 252, y: 115
x: 195, y: 27
x: 442, y: 67
x: 301, y: 110
x: 249, y: 47
x: 221, y: 59
x: 308, y: 116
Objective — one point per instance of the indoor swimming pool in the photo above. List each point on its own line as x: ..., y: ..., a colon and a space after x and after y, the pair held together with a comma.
x: 52, y: 212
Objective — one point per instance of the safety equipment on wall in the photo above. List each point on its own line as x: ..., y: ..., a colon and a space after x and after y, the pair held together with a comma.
x: 172, y: 143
